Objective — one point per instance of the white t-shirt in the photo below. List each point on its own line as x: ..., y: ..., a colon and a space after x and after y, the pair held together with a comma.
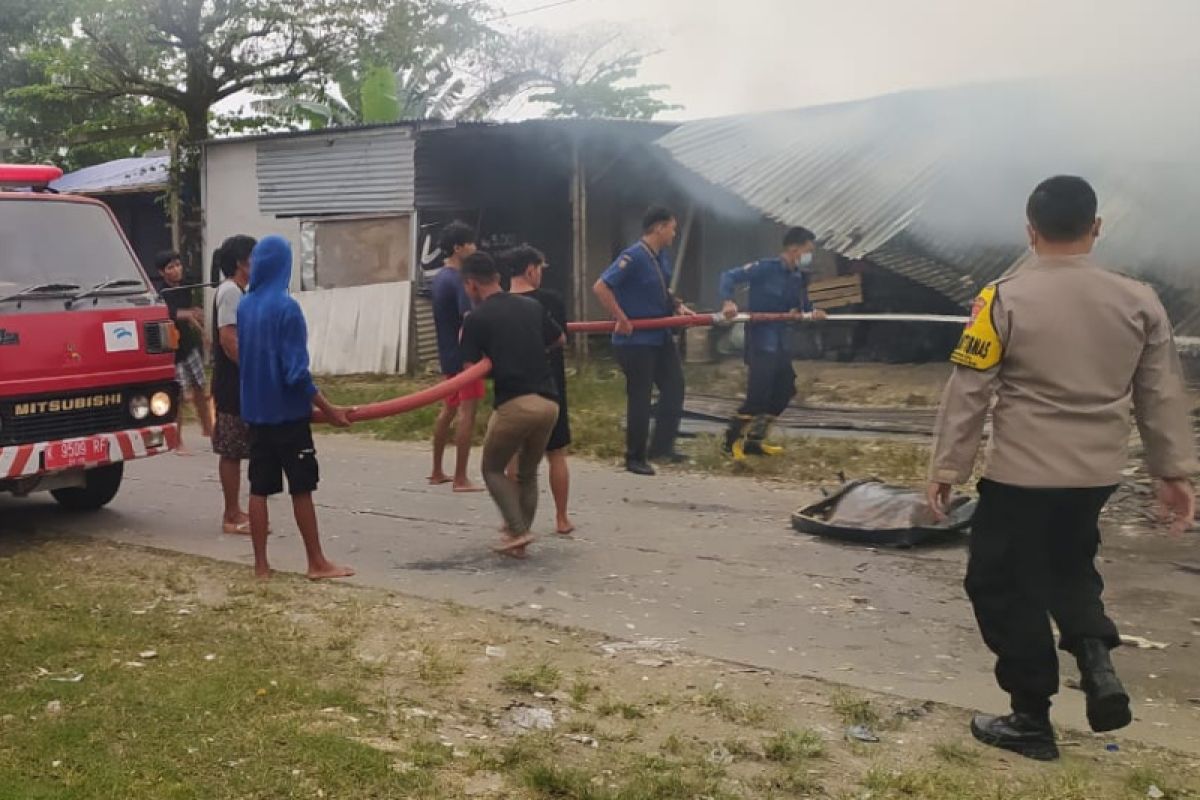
x: 229, y: 294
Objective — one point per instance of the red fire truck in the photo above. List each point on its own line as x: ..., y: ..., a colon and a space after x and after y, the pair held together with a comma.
x: 87, y: 377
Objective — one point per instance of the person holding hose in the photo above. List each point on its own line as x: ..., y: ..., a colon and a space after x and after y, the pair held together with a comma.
x: 1065, y: 347
x: 514, y: 333
x: 777, y: 285
x: 638, y: 286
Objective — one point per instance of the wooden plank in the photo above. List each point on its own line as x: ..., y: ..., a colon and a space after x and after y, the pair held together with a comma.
x: 836, y: 283
x: 835, y: 292
x: 840, y: 294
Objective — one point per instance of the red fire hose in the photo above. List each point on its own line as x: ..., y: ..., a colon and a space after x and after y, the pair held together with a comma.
x: 479, y: 371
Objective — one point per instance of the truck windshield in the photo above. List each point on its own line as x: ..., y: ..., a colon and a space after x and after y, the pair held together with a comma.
x: 45, y: 242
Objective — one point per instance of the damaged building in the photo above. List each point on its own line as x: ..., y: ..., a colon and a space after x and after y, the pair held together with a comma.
x: 916, y: 199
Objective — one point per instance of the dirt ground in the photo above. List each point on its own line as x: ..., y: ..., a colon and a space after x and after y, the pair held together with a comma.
x: 449, y: 702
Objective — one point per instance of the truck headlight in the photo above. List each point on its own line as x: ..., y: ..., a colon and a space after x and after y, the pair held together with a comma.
x: 160, y: 404
x: 139, y: 406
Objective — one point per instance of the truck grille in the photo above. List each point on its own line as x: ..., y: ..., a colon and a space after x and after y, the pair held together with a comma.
x: 41, y: 427
x: 153, y: 336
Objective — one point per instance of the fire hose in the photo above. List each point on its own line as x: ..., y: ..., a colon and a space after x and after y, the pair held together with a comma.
x: 480, y: 370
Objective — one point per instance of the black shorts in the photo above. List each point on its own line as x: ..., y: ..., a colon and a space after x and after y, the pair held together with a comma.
x: 560, y: 437
x: 278, y: 450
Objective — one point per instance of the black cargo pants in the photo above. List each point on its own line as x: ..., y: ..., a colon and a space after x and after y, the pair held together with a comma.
x: 647, y: 367
x: 1032, y: 558
x: 770, y: 383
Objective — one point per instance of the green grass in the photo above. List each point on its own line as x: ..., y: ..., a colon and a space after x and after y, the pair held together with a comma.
x: 437, y: 668
x: 596, y: 399
x: 246, y: 723
x: 266, y: 692
x: 793, y: 747
x: 854, y: 710
x: 542, y: 678
x: 735, y: 711
x: 597, y: 406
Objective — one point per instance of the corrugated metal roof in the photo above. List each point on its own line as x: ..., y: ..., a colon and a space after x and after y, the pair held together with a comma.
x: 601, y: 125
x: 338, y: 173
x: 932, y: 184
x: 147, y: 174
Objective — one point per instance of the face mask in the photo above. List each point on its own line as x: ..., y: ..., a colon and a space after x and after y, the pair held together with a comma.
x: 806, y: 260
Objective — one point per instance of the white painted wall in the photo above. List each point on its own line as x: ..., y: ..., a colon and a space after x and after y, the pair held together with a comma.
x: 230, y: 192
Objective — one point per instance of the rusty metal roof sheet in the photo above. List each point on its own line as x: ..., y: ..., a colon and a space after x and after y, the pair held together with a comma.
x: 932, y: 184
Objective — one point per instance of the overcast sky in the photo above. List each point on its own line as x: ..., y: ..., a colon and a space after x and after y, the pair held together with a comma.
x: 730, y: 56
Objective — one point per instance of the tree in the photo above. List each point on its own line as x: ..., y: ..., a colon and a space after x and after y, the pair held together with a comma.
x: 586, y: 73
x: 441, y: 59
x: 422, y: 59
x: 185, y: 56
x: 45, y: 123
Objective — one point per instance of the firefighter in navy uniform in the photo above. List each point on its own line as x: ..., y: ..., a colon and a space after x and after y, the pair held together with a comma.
x: 778, y: 285
x: 1065, y: 347
x: 638, y: 286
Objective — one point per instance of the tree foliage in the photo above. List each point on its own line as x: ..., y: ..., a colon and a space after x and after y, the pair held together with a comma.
x: 590, y: 72
x: 86, y: 80
x: 179, y: 58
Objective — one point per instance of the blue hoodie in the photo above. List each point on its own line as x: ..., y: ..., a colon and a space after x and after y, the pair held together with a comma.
x: 273, y: 341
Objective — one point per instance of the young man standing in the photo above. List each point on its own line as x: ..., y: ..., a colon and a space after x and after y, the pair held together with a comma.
x: 450, y: 307
x: 777, y: 285
x: 514, y: 332
x: 231, y: 435
x: 278, y: 396
x: 638, y: 286
x: 527, y: 265
x: 189, y: 357
x: 1066, y: 347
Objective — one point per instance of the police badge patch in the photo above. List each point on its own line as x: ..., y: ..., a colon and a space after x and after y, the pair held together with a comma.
x: 980, y: 348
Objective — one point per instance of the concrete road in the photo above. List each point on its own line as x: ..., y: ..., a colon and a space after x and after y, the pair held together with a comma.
x: 711, y: 563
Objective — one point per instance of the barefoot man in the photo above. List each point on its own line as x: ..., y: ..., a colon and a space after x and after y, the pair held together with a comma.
x: 514, y: 332
x: 231, y: 435
x: 526, y: 265
x: 450, y: 306
x: 278, y: 395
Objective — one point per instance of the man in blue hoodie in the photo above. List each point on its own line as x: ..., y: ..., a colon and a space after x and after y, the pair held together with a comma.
x: 278, y: 395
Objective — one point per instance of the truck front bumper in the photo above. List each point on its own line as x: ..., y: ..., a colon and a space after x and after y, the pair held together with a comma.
x: 42, y: 458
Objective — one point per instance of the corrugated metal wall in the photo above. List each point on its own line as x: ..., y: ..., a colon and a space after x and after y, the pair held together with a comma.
x: 342, y: 173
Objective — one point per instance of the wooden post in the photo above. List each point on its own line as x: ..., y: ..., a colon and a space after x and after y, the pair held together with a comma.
x: 579, y: 219
x: 684, y: 238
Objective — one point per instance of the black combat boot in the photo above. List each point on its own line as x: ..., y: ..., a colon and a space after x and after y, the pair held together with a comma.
x: 1107, y: 700
x: 1029, y: 735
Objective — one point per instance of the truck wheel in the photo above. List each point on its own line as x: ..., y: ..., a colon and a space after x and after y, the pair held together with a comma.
x: 101, y: 486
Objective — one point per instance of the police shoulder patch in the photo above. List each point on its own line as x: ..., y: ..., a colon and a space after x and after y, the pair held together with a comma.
x: 624, y: 261
x: 980, y: 347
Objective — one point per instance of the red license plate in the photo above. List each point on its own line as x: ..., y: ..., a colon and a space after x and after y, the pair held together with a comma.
x: 76, y: 453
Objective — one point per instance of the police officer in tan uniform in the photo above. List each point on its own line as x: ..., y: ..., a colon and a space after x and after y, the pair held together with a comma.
x: 1065, y: 347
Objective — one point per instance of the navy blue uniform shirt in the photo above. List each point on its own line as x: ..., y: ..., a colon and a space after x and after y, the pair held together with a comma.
x: 774, y: 288
x: 641, y: 282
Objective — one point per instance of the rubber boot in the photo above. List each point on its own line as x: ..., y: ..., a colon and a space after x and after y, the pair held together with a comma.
x: 735, y: 437
x: 1029, y: 735
x: 756, y: 439
x: 1107, y: 700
